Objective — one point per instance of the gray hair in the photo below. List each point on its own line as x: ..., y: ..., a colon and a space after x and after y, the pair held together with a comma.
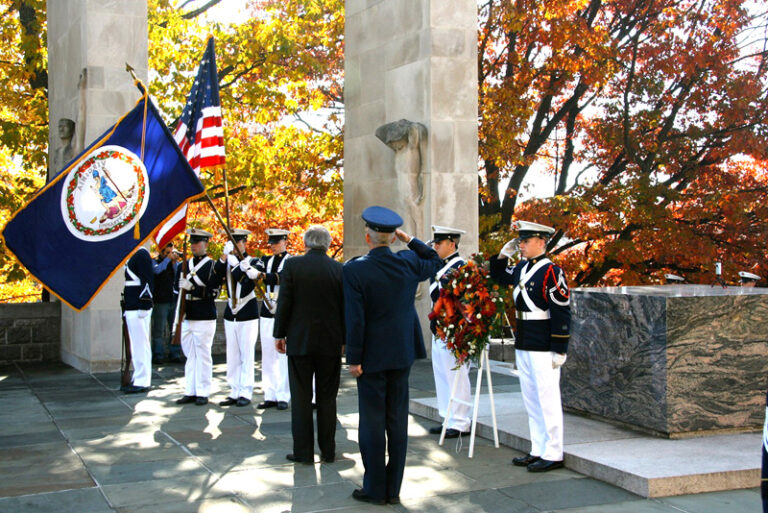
x: 379, y: 238
x: 317, y: 237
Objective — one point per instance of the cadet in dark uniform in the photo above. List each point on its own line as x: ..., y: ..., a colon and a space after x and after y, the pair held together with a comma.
x: 543, y: 328
x: 383, y: 338
x: 139, y: 286
x: 241, y: 319
x: 201, y: 285
x: 446, y: 241
x: 274, y: 366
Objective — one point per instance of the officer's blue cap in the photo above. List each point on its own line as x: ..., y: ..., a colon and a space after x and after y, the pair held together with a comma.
x: 382, y: 219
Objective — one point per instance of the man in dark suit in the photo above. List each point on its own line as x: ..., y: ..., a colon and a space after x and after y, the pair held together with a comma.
x: 383, y: 338
x: 309, y: 327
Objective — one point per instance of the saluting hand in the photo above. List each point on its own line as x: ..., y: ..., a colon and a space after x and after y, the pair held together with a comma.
x: 404, y: 237
x: 356, y: 370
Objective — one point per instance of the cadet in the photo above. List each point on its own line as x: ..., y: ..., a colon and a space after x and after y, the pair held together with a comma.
x: 241, y: 319
x: 274, y: 366
x: 543, y: 326
x: 201, y: 285
x: 748, y: 279
x: 139, y: 285
x: 383, y: 337
x: 446, y: 242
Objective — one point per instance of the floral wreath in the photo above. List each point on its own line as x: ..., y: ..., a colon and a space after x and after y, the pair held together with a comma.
x: 469, y: 310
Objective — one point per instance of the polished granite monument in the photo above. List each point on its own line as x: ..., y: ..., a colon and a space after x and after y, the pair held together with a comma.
x: 673, y: 360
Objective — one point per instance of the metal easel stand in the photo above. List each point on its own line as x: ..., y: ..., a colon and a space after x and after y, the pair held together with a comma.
x: 485, y: 364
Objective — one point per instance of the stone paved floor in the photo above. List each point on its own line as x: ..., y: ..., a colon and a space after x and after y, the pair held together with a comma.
x: 70, y: 442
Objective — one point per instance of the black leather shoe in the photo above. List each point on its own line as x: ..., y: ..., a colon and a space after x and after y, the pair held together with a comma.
x: 186, y: 399
x: 242, y: 401
x: 455, y: 433
x: 524, y: 461
x: 291, y: 457
x: 435, y: 430
x: 200, y: 401
x: 133, y: 389
x: 266, y: 404
x: 328, y: 459
x: 176, y: 359
x: 544, y: 465
x: 360, y: 495
x: 228, y: 402
x: 393, y: 500
x: 282, y: 405
x: 123, y: 388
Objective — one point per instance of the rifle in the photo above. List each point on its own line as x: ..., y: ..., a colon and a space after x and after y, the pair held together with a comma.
x: 181, y: 302
x: 125, y: 364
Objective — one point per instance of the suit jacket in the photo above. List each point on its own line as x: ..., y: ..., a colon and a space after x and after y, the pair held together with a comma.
x: 383, y: 329
x: 310, y: 307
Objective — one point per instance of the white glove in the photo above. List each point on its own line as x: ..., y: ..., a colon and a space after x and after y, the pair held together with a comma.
x: 252, y: 273
x: 228, y: 248
x: 510, y: 249
x: 143, y: 314
x: 185, y: 284
x: 245, y: 264
x: 558, y: 360
x: 232, y: 260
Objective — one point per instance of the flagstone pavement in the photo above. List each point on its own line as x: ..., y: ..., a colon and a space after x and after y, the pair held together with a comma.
x: 70, y: 442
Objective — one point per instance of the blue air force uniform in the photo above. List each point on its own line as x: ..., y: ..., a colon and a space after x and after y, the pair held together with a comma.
x: 443, y: 361
x: 201, y: 284
x: 274, y: 365
x: 543, y: 326
x: 139, y: 287
x: 241, y: 320
x: 383, y: 335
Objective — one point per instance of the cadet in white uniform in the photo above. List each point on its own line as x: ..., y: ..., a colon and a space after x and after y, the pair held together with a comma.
x: 274, y: 366
x: 201, y: 285
x: 445, y: 241
x: 241, y: 319
x: 139, y: 286
x: 748, y: 279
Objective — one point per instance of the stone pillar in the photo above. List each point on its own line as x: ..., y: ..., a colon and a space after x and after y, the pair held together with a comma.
x: 413, y: 60
x: 89, y: 42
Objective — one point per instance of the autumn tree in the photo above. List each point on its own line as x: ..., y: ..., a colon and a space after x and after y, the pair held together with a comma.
x: 651, y: 118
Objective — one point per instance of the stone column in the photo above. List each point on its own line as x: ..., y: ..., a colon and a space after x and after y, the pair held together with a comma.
x: 413, y: 60
x: 89, y: 42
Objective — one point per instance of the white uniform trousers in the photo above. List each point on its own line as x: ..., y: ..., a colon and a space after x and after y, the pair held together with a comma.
x: 196, y: 342
x: 139, y: 330
x: 241, y: 341
x: 274, y: 366
x: 540, y: 387
x: 443, y: 363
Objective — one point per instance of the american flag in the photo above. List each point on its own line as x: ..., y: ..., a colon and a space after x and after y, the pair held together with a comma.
x: 199, y: 134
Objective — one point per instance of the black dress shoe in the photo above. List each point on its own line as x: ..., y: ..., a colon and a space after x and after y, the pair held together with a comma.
x: 200, y: 401
x: 328, y: 459
x: 455, y: 433
x: 291, y: 457
x: 435, y: 430
x: 186, y: 399
x: 360, y: 495
x: 266, y: 404
x: 123, y: 388
x: 524, y: 461
x: 133, y: 389
x: 175, y: 360
x: 393, y: 500
x: 282, y: 405
x: 242, y: 401
x: 229, y: 401
x: 544, y: 465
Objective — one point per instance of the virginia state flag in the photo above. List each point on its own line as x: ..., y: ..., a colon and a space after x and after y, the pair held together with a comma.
x: 79, y: 229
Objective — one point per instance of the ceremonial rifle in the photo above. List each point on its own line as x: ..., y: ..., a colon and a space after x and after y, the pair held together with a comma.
x: 125, y: 367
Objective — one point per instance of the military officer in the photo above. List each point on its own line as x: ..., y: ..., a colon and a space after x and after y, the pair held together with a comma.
x: 764, y: 474
x: 543, y: 326
x: 200, y: 282
x: 383, y: 337
x: 274, y: 365
x: 445, y: 241
x: 139, y: 286
x: 748, y: 279
x: 241, y: 319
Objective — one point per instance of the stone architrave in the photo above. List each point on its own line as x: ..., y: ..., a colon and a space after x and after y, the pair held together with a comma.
x: 412, y: 60
x: 89, y: 43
